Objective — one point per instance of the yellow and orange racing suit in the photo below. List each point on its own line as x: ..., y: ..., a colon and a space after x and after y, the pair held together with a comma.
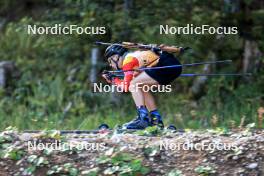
x: 132, y: 61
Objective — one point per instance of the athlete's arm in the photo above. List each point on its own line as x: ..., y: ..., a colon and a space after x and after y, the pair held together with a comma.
x: 129, y: 64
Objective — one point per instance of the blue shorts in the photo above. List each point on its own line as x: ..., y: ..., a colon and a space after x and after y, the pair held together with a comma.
x: 166, y: 75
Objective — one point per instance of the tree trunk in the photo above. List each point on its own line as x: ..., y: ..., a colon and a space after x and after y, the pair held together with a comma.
x: 251, y: 56
x: 8, y: 71
x: 94, y: 59
x: 197, y: 89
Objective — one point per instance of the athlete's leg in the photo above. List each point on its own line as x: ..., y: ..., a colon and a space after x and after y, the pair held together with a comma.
x: 155, y: 117
x: 142, y: 98
x: 149, y: 101
x: 137, y: 92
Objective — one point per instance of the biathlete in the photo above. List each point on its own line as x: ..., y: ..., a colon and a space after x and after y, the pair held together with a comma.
x: 120, y: 58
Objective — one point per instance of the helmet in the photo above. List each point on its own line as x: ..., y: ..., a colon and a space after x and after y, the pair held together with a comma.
x: 114, y: 49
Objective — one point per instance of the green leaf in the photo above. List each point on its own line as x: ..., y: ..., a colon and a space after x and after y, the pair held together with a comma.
x: 11, y: 129
x: 67, y: 165
x: 219, y: 131
x: 151, y: 151
x: 91, y: 172
x: 125, y: 157
x: 144, y: 170
x: 175, y: 172
x: 6, y: 145
x: 103, y: 159
x: 73, y: 171
x: 55, y: 134
x: 149, y: 131
x: 205, y: 170
x: 32, y: 158
x: 136, y: 165
x: 5, y: 138
x: 50, y: 172
x: 13, y: 153
x: 41, y: 160
x: 111, y: 170
x: 30, y: 170
x: 125, y: 169
x: 121, y: 157
x: 47, y: 151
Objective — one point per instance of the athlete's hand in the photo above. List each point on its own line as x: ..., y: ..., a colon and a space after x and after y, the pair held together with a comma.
x: 105, y: 76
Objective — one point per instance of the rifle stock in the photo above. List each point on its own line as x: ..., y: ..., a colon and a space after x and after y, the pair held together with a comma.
x: 171, y: 49
x: 131, y: 45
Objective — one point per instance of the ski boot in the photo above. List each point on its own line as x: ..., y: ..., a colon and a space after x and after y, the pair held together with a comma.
x: 156, y: 119
x: 141, y: 122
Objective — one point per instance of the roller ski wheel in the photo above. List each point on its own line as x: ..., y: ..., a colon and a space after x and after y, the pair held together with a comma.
x: 171, y: 127
x: 103, y: 127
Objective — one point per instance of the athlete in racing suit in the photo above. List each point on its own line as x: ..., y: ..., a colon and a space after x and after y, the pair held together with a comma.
x: 134, y: 81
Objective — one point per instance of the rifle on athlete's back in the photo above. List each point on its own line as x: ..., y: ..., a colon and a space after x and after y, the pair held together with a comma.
x: 171, y: 49
x: 154, y: 47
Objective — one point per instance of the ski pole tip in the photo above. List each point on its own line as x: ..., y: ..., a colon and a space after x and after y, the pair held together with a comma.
x: 98, y: 43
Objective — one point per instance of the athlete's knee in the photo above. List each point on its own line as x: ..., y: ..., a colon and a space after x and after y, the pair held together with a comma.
x: 132, y: 87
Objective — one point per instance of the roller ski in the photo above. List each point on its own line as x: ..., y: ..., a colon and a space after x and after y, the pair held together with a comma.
x: 105, y: 129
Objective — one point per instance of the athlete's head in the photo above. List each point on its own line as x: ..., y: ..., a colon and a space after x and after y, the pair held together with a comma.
x: 114, y: 54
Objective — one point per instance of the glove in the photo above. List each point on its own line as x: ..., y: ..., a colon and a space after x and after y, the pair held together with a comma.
x: 107, y: 76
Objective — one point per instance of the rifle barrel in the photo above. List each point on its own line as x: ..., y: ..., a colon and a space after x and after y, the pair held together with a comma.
x: 215, y: 74
x: 102, y: 43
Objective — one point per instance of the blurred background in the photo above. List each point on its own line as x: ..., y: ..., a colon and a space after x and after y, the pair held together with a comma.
x: 46, y: 79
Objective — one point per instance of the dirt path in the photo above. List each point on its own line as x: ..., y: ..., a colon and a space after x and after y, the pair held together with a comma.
x: 211, y: 152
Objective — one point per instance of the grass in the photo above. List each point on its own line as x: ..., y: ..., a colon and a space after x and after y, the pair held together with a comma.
x: 48, y: 110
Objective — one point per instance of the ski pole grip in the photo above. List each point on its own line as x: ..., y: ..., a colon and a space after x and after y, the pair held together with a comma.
x: 105, y: 72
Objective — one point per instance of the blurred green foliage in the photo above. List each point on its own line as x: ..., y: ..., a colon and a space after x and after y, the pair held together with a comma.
x: 54, y: 92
